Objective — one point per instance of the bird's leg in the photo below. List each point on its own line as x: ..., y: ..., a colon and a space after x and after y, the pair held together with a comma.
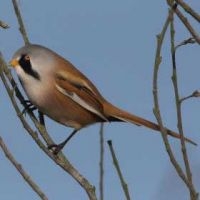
x: 56, y: 148
x: 41, y: 118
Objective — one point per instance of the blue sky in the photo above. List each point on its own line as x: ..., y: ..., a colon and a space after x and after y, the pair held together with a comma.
x: 113, y: 43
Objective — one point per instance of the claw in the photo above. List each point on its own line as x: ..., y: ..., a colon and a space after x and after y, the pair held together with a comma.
x: 55, y: 148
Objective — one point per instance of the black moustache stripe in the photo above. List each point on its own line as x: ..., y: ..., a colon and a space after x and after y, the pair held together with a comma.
x: 32, y: 73
x: 26, y: 66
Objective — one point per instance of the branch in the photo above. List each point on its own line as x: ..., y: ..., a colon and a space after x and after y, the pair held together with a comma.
x: 188, y: 25
x: 195, y: 94
x: 116, y: 164
x: 20, y: 21
x: 156, y: 108
x: 184, y: 21
x: 101, y: 162
x: 185, y: 42
x: 191, y: 188
x: 188, y: 9
x: 23, y: 173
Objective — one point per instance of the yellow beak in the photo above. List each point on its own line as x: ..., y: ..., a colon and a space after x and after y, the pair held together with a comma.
x: 14, y: 63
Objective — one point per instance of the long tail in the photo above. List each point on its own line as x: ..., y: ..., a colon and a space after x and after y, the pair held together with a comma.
x: 118, y: 114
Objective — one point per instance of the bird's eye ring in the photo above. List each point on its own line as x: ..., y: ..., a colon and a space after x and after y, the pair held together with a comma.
x: 27, y: 58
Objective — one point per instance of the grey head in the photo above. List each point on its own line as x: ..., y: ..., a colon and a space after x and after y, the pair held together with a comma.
x: 34, y: 60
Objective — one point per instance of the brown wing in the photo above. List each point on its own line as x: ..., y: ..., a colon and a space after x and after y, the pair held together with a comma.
x: 80, y: 92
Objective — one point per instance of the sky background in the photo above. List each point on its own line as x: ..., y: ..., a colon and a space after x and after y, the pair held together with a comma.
x: 113, y: 43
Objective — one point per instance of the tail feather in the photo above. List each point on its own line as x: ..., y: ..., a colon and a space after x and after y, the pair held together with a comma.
x: 116, y: 113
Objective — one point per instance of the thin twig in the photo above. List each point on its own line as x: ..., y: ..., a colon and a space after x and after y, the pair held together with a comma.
x: 101, y: 162
x: 116, y: 164
x: 195, y: 94
x: 185, y: 42
x: 193, y: 194
x: 188, y: 25
x: 20, y: 21
x: 23, y: 173
x: 188, y: 9
x: 4, y: 25
x: 156, y: 108
x: 184, y: 21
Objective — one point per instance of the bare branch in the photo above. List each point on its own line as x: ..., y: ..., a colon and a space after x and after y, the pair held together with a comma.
x: 188, y: 9
x: 20, y: 21
x: 116, y: 164
x: 184, y: 21
x: 191, y: 188
x: 185, y: 42
x: 23, y: 173
x: 188, y: 25
x: 156, y: 109
x: 196, y: 94
x: 101, y: 162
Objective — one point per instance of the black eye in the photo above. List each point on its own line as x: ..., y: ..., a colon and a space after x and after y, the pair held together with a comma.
x: 26, y: 58
x: 25, y: 62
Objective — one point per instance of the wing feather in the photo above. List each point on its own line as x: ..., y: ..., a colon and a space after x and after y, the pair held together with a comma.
x: 80, y: 92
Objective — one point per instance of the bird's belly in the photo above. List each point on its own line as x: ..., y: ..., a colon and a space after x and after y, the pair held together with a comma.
x: 61, y: 108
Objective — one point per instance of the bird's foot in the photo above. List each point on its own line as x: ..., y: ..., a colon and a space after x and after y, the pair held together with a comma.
x: 55, y: 148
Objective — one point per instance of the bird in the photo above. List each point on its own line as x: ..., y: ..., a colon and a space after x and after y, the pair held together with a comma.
x: 63, y: 93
